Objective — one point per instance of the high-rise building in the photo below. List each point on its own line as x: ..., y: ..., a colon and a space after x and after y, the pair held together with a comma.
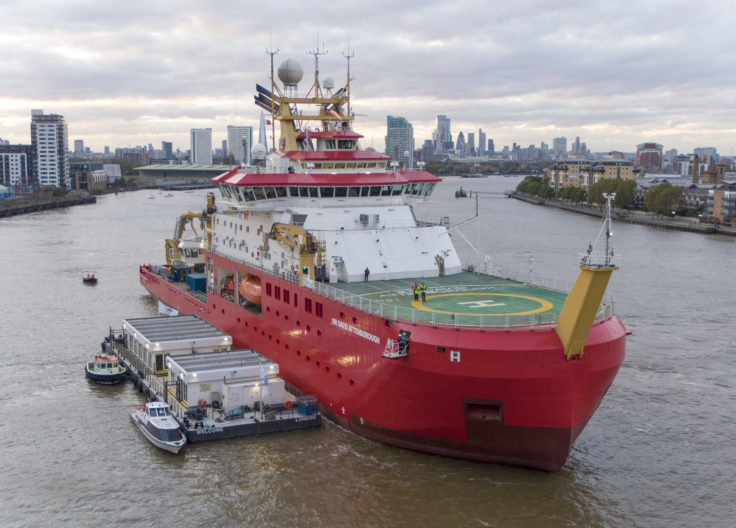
x: 649, y: 155
x: 481, y: 142
x: 400, y: 140
x: 201, y: 141
x: 460, y: 146
x: 49, y: 141
x: 575, y: 147
x: 427, y: 151
x: 709, y: 154
x: 442, y: 136
x: 240, y: 142
x: 471, y: 144
x: 78, y: 147
x: 491, y: 147
x: 16, y: 165
x: 559, y: 146
x: 167, y: 148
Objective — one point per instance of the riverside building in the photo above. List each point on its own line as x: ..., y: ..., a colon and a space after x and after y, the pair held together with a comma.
x: 49, y: 144
x: 16, y: 166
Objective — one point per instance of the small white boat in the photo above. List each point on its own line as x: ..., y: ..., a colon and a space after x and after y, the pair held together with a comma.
x: 152, y: 197
x: 159, y: 427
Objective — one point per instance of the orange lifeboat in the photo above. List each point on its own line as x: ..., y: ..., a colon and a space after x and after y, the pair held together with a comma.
x: 250, y: 289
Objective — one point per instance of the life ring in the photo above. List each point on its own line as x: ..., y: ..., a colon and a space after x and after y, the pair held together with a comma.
x: 287, y: 404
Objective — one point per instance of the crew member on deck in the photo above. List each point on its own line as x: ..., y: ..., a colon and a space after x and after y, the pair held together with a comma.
x: 415, y: 289
x: 367, y: 272
x: 423, y: 289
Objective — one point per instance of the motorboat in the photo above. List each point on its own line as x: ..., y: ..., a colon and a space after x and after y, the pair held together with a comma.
x: 158, y: 425
x: 90, y: 279
x: 105, y: 369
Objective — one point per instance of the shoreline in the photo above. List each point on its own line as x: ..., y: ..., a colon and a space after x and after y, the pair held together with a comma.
x: 629, y: 216
x: 28, y: 206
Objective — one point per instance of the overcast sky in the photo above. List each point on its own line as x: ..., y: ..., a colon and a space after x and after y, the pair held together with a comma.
x: 616, y: 72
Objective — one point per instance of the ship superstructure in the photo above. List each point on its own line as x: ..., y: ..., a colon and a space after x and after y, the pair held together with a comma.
x: 317, y: 261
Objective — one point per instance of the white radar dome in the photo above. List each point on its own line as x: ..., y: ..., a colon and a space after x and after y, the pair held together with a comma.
x: 290, y: 72
x: 328, y: 83
x: 258, y: 151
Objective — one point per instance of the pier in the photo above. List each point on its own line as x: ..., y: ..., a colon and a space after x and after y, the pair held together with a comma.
x: 214, y: 392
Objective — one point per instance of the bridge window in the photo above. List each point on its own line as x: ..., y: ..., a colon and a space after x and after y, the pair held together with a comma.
x: 396, y: 190
x: 386, y: 190
x: 341, y: 192
x: 353, y: 191
x: 327, y: 192
x: 365, y: 190
x: 259, y: 193
x: 293, y: 191
x: 280, y: 191
x: 375, y: 191
x: 313, y: 192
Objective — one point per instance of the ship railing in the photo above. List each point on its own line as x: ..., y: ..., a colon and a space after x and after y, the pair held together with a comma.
x: 436, y: 319
x: 457, y: 320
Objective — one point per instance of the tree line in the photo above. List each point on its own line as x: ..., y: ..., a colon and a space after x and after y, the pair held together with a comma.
x: 664, y: 198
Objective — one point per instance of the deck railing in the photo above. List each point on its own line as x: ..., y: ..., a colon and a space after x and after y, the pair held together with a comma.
x: 431, y: 318
x: 413, y: 315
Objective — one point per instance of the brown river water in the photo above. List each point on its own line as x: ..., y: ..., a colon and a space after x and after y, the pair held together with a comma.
x: 660, y: 451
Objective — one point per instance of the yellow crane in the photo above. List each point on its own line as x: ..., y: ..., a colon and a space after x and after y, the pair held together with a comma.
x: 205, y: 219
x: 297, y: 237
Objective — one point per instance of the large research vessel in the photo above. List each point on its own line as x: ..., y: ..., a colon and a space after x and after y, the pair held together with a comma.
x: 313, y: 255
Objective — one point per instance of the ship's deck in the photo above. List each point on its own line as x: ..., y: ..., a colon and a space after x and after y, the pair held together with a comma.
x: 464, y: 299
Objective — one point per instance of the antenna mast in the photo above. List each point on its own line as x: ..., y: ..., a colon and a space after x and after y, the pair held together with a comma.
x: 349, y: 55
x: 316, y: 52
x: 272, y: 52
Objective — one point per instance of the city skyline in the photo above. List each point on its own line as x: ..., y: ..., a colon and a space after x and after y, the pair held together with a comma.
x: 618, y: 75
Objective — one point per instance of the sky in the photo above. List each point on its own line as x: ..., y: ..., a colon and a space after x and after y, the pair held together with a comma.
x: 615, y: 73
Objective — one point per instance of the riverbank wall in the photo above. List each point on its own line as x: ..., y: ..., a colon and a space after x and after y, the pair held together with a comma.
x: 631, y: 217
x: 19, y: 207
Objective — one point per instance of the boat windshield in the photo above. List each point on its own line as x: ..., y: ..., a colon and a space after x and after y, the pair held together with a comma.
x: 169, y: 435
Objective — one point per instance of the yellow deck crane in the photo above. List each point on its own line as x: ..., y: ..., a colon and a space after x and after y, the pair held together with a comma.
x: 173, y: 249
x: 309, y: 247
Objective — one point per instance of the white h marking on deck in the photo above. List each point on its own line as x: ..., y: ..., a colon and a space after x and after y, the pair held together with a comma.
x: 482, y: 304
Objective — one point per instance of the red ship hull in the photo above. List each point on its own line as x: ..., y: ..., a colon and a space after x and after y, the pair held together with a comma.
x: 513, y: 399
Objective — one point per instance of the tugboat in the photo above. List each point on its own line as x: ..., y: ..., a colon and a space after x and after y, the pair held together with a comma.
x: 310, y: 258
x: 105, y: 370
x: 157, y: 424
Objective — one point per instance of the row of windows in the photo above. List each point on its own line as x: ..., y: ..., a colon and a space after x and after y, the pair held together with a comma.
x: 251, y: 194
x: 282, y: 294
